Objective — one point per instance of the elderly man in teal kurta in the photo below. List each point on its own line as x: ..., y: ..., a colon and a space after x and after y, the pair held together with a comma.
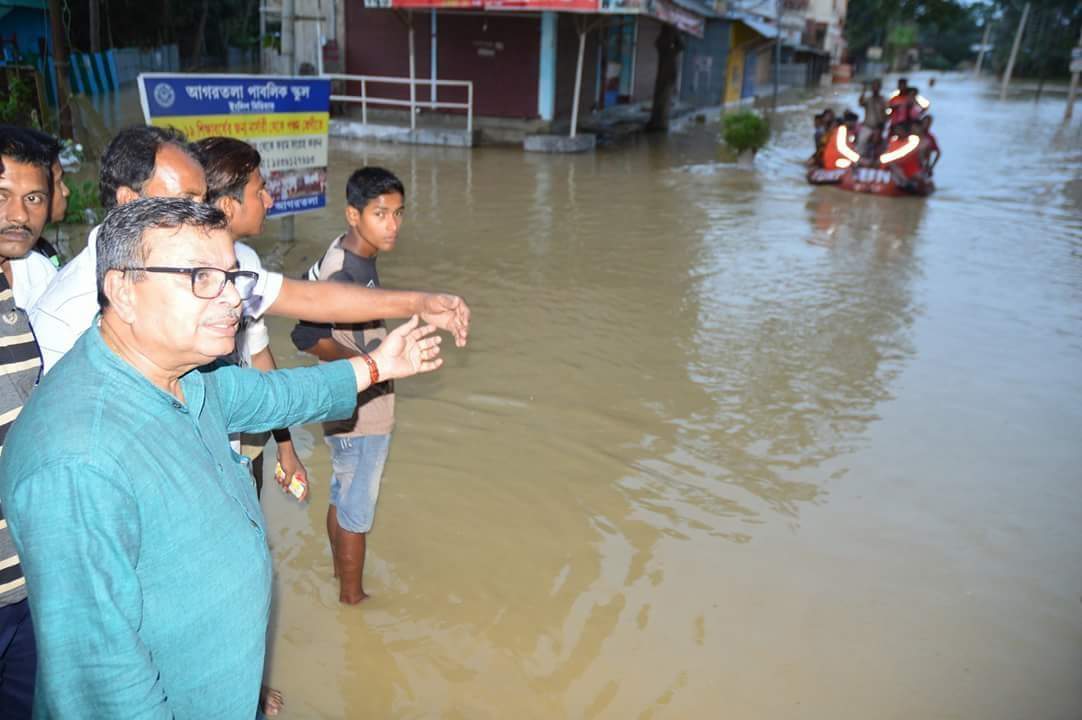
x: 141, y: 537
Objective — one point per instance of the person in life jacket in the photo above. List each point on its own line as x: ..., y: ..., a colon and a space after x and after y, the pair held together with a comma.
x: 929, y: 147
x: 913, y: 106
x: 840, y: 152
x: 825, y: 125
x: 903, y: 98
x: 902, y: 158
x: 898, y: 106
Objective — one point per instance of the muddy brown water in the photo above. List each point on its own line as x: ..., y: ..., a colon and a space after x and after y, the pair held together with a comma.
x: 722, y: 444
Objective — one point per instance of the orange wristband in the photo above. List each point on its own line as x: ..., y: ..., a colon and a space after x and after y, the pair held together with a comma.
x: 373, y: 371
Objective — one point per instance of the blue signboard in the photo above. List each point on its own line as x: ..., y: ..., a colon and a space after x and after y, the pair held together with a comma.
x: 285, y: 118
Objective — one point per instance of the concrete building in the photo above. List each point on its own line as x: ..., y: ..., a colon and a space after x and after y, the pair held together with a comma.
x: 812, y: 34
x: 825, y: 27
x: 539, y: 66
x: 522, y: 56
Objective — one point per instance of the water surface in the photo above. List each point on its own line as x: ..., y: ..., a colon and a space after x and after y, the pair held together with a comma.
x: 722, y: 444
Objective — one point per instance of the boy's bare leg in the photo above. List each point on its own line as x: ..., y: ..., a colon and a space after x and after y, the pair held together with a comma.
x: 332, y: 534
x: 351, y: 549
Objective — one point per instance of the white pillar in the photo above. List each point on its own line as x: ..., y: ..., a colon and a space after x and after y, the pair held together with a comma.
x: 546, y: 77
x: 433, y: 65
x: 578, y: 85
x: 413, y: 75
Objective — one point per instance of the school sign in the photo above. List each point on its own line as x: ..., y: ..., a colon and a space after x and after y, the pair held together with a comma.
x: 285, y: 118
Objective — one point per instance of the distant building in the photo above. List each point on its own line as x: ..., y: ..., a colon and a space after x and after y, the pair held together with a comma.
x: 522, y: 55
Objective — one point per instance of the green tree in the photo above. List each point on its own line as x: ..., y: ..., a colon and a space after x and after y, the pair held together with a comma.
x: 149, y: 23
x: 1051, y: 31
x: 942, y: 29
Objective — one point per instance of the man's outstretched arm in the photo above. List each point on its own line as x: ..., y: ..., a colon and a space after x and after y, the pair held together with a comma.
x: 334, y: 302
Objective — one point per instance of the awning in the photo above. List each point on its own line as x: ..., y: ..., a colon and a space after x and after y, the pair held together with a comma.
x: 666, y: 11
x: 810, y: 50
x: 759, y: 25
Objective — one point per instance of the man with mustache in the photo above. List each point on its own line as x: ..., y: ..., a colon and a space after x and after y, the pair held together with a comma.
x: 145, y: 161
x: 142, y: 539
x: 59, y: 205
x: 24, y: 210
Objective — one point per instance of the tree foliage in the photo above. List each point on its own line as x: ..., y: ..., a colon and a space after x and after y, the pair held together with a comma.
x: 150, y: 23
x: 942, y: 29
x: 1051, y: 31
x: 947, y: 30
x: 744, y: 130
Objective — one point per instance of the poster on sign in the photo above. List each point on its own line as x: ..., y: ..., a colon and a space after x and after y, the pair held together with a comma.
x: 284, y: 118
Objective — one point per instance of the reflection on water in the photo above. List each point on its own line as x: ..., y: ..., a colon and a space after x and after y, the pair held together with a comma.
x: 723, y: 444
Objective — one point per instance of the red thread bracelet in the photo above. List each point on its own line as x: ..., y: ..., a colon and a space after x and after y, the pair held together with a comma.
x: 373, y: 371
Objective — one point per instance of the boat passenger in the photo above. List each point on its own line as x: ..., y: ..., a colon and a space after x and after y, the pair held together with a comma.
x: 929, y: 147
x: 898, y: 105
x: 875, y: 116
x: 902, y: 158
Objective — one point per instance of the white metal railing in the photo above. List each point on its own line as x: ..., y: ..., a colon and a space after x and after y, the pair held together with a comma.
x: 413, y: 103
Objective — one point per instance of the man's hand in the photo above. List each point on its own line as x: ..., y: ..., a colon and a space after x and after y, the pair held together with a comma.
x: 408, y: 350
x: 449, y: 313
x: 291, y: 464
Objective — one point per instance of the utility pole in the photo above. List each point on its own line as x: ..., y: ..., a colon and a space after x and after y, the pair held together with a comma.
x: 95, y: 26
x: 984, y: 47
x: 287, y: 231
x: 1014, y: 53
x: 1076, y: 66
x: 60, y: 64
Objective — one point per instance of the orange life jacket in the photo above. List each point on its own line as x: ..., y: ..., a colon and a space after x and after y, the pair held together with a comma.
x: 839, y: 152
x: 903, y: 153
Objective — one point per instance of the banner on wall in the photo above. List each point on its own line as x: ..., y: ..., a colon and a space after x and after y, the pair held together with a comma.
x: 663, y: 10
x: 588, y: 6
x: 285, y: 118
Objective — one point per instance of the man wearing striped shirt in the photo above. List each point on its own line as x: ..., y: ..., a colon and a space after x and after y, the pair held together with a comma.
x: 24, y: 207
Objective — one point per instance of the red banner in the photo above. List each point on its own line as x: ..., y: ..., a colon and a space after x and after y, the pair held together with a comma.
x: 557, y: 5
x: 663, y: 10
x: 437, y: 4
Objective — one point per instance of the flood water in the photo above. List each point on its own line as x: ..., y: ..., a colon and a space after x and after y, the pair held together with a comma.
x: 722, y: 444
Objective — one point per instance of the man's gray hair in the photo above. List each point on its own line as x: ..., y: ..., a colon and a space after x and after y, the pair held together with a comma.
x: 120, y: 237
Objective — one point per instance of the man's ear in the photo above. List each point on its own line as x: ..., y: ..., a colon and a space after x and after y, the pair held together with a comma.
x: 119, y: 289
x: 125, y: 194
x: 353, y: 216
x: 228, y: 206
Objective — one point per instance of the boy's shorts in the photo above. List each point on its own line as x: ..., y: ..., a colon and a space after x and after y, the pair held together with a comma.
x: 357, y: 464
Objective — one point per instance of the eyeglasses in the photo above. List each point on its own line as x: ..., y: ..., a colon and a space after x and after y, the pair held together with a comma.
x: 207, y: 282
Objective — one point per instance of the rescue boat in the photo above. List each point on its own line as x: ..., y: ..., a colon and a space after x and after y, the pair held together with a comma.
x: 841, y: 168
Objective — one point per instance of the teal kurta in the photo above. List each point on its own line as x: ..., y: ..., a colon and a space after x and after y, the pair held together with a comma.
x: 141, y: 537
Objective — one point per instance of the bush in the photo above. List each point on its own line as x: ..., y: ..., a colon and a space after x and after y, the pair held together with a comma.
x: 744, y: 130
x: 18, y: 104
